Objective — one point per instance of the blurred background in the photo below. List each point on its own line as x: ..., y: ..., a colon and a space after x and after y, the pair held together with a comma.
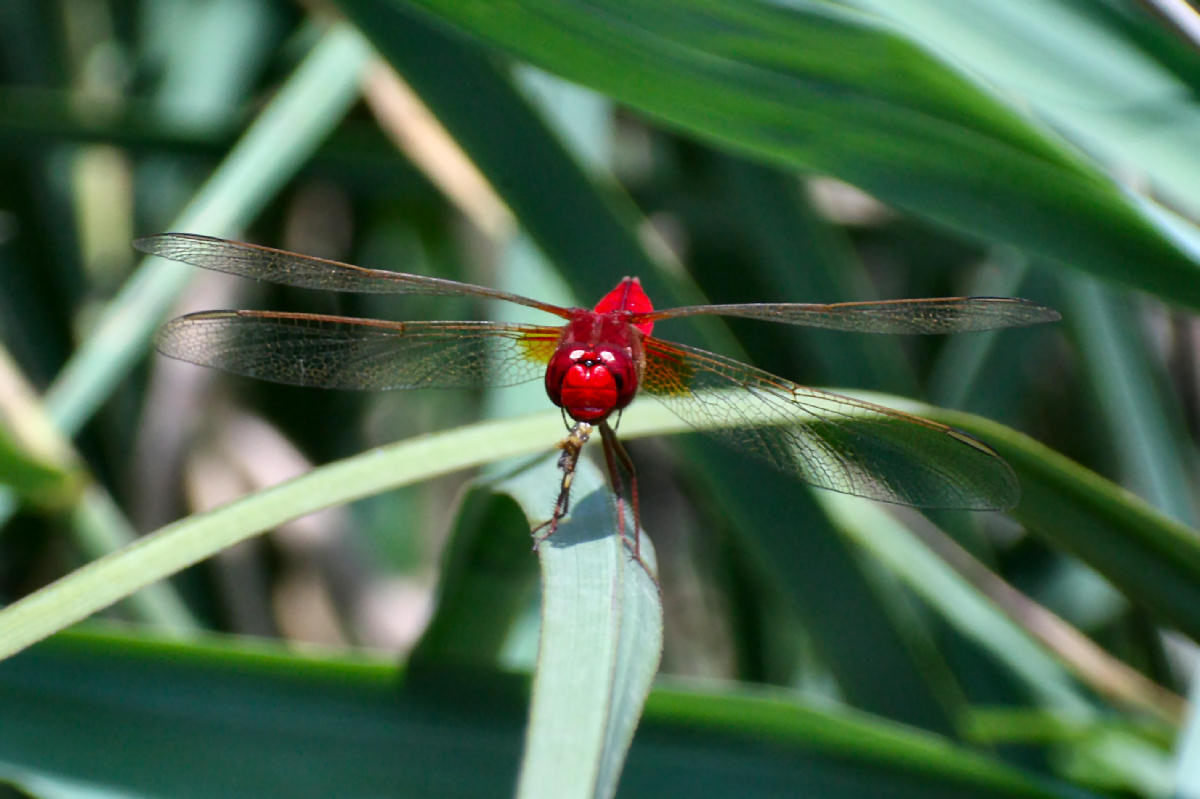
x: 808, y: 152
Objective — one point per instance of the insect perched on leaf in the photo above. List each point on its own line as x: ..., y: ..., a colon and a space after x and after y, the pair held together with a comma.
x: 597, y: 361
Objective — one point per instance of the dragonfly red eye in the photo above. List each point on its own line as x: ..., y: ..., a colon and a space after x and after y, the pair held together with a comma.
x: 590, y: 384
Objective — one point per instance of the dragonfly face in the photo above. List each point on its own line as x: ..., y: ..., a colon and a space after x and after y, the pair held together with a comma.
x: 598, y: 363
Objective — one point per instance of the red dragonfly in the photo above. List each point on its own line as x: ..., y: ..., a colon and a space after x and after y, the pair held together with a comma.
x: 599, y: 360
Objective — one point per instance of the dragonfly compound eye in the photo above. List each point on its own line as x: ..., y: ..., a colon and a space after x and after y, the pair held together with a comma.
x: 590, y: 384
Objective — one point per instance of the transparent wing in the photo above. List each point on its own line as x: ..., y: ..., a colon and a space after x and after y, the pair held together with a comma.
x: 938, y: 315
x: 827, y: 440
x: 306, y: 271
x: 342, y: 352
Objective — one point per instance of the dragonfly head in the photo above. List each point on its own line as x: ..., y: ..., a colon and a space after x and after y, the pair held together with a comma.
x: 591, y: 383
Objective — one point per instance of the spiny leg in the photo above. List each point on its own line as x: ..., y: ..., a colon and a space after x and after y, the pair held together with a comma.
x: 615, y: 456
x: 571, y: 447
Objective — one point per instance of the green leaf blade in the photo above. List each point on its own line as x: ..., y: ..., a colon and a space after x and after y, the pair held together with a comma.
x: 600, y: 643
x: 933, y: 143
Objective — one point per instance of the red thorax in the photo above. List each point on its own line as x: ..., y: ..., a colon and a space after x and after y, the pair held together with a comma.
x: 596, y: 367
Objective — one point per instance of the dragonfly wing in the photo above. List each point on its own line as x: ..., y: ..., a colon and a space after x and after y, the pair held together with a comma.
x: 937, y: 315
x: 827, y: 440
x: 307, y: 271
x: 342, y: 352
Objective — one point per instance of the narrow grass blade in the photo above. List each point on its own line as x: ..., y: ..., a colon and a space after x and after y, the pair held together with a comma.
x: 178, y: 545
x: 600, y: 643
x: 276, y: 145
x: 773, y: 81
x: 235, y: 718
x: 1140, y: 550
x: 1144, y: 423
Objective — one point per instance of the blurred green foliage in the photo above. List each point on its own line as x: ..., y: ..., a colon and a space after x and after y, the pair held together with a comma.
x: 722, y: 150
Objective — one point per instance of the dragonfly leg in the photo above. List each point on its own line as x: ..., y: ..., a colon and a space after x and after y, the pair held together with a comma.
x: 615, y: 457
x: 571, y: 447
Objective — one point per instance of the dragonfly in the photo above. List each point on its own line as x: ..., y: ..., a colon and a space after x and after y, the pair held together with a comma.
x: 595, y: 361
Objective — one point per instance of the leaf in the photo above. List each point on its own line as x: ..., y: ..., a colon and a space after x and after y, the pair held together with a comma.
x: 572, y: 220
x: 190, y: 540
x: 36, y: 479
x: 600, y: 641
x: 35, y: 461
x: 1113, y: 79
x: 882, y: 664
x: 1144, y: 423
x: 776, y: 83
x: 239, y: 718
x: 268, y: 154
x: 1148, y: 556
x: 486, y: 580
